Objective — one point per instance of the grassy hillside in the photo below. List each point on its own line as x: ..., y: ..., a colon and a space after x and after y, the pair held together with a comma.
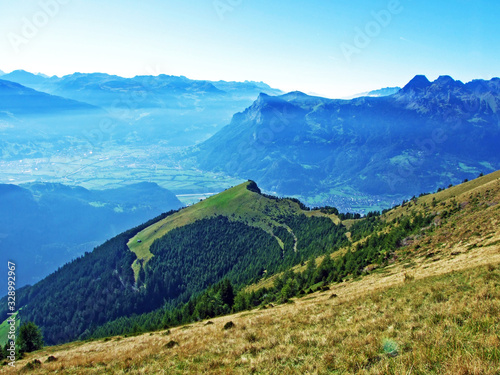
x: 4, y: 330
x: 459, y: 193
x: 433, y: 308
x: 384, y: 323
x: 237, y: 204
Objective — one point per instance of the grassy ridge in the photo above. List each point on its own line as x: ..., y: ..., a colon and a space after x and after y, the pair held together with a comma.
x: 237, y: 204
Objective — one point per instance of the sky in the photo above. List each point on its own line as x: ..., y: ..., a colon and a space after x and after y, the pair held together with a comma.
x: 333, y: 48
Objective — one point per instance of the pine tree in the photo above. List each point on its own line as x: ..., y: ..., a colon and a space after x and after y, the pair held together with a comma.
x: 240, y: 302
x: 227, y: 293
x: 311, y: 268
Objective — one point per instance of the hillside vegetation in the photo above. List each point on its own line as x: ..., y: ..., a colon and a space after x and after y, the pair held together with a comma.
x: 416, y: 291
x: 463, y: 216
x: 237, y: 204
x: 239, y: 235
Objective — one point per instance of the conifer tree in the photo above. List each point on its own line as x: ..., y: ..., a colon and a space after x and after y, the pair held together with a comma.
x: 30, y: 338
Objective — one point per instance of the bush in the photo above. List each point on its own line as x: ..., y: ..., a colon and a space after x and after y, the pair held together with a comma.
x: 32, y: 365
x: 30, y: 338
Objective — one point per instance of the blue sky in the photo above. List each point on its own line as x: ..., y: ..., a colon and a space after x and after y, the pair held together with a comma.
x: 333, y: 48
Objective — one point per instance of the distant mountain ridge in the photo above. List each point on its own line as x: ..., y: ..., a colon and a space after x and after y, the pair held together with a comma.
x: 20, y: 100
x: 34, y: 124
x: 427, y: 135
x: 79, y: 86
x: 51, y: 224
x: 387, y: 91
x: 174, y: 110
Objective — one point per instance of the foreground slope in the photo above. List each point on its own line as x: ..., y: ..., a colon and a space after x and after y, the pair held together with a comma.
x: 383, y: 323
x: 434, y: 308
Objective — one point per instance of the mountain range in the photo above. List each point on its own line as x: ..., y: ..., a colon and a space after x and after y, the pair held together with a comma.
x: 175, y: 110
x: 386, y: 91
x: 365, y: 151
x: 130, y: 260
x: 45, y: 225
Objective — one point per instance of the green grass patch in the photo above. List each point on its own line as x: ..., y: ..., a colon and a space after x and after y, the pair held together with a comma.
x: 237, y: 203
x: 4, y: 330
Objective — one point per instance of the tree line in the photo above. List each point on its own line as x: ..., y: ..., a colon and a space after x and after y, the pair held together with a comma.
x: 224, y: 298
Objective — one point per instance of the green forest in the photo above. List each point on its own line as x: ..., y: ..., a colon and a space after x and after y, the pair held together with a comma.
x: 225, y: 297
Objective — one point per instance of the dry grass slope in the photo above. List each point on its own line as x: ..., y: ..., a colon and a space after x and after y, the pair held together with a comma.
x: 446, y: 324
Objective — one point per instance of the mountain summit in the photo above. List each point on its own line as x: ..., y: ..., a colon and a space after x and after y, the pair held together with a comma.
x: 427, y: 135
x: 418, y: 83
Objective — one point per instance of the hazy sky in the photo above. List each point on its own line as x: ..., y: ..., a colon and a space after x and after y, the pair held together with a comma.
x: 333, y: 48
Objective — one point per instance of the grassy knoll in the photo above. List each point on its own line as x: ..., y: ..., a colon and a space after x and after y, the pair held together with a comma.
x: 237, y: 203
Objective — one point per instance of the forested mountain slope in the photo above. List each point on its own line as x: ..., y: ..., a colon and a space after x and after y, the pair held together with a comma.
x: 239, y: 235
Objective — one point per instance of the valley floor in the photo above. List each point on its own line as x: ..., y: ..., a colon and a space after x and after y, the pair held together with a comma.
x: 437, y: 315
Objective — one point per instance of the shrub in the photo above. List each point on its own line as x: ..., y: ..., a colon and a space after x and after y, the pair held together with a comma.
x: 251, y: 337
x: 30, y: 338
x: 32, y: 365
